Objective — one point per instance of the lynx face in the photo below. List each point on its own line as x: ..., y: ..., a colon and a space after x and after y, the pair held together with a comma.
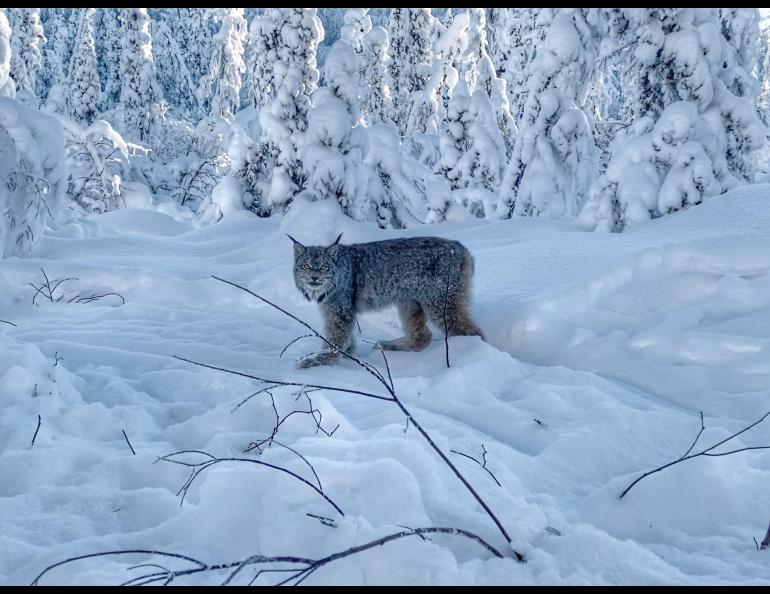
x: 315, y: 271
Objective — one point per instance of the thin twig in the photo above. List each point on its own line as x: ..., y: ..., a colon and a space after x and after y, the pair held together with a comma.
x: 199, y: 467
x: 324, y: 520
x: 285, y: 383
x: 128, y: 442
x: 9, y: 323
x: 293, y: 341
x: 706, y: 452
x: 480, y: 463
x: 34, y: 437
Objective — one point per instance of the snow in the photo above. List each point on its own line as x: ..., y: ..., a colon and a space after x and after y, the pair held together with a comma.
x: 613, y: 342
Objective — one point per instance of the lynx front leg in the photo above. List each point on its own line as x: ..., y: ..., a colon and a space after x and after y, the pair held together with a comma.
x: 417, y: 333
x: 338, y: 330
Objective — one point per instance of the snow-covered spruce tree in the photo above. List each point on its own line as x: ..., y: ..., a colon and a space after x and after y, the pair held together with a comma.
x: 554, y: 158
x: 740, y: 28
x: 526, y: 30
x: 476, y: 48
x: 171, y: 67
x: 355, y: 25
x: 33, y: 170
x: 7, y: 86
x: 334, y: 145
x: 284, y: 119
x: 219, y: 90
x: 374, y: 63
x: 141, y: 99
x: 763, y: 74
x: 421, y: 136
x: 109, y: 52
x: 403, y: 192
x: 691, y: 137
x: 409, y: 32
x: 27, y: 39
x: 190, y: 28
x: 83, y: 80
x: 481, y: 76
x: 56, y: 58
x: 448, y: 51
x: 473, y: 152
x: 263, y: 43
x: 497, y: 29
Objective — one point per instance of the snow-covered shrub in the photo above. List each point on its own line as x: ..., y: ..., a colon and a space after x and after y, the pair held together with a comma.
x: 33, y: 175
x: 98, y: 160
x: 194, y: 180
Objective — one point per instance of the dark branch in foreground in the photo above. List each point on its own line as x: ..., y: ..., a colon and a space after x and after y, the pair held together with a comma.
x: 392, y: 397
x: 299, y: 568
x: 129, y: 443
x: 707, y: 452
x: 9, y: 323
x: 209, y: 461
x: 34, y: 437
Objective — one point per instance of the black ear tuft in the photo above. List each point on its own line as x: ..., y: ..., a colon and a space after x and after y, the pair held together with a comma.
x: 334, y: 248
x: 299, y: 249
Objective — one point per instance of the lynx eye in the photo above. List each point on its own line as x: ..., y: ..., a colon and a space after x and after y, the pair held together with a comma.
x: 306, y: 266
x: 324, y: 268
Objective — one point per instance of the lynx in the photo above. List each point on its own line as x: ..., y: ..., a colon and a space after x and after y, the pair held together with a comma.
x: 426, y: 277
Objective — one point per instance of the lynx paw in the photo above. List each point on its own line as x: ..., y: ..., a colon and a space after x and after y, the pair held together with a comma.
x: 403, y: 344
x: 316, y: 360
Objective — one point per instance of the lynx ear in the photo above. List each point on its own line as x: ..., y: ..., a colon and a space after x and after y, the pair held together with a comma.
x: 333, y: 249
x: 299, y: 249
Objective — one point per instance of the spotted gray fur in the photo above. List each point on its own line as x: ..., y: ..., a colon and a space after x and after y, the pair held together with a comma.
x: 426, y: 277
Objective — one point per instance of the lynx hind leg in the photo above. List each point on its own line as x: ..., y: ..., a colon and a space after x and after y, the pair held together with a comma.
x: 417, y: 335
x: 453, y: 303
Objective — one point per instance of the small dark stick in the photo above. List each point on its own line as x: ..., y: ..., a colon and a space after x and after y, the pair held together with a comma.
x: 129, y: 443
x: 765, y: 541
x: 39, y: 420
x: 9, y: 323
x: 446, y: 325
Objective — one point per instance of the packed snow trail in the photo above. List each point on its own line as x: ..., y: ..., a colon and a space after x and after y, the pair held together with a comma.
x: 601, y: 351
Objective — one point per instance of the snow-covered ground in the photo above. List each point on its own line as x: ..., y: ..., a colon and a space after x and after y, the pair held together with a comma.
x: 602, y: 349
